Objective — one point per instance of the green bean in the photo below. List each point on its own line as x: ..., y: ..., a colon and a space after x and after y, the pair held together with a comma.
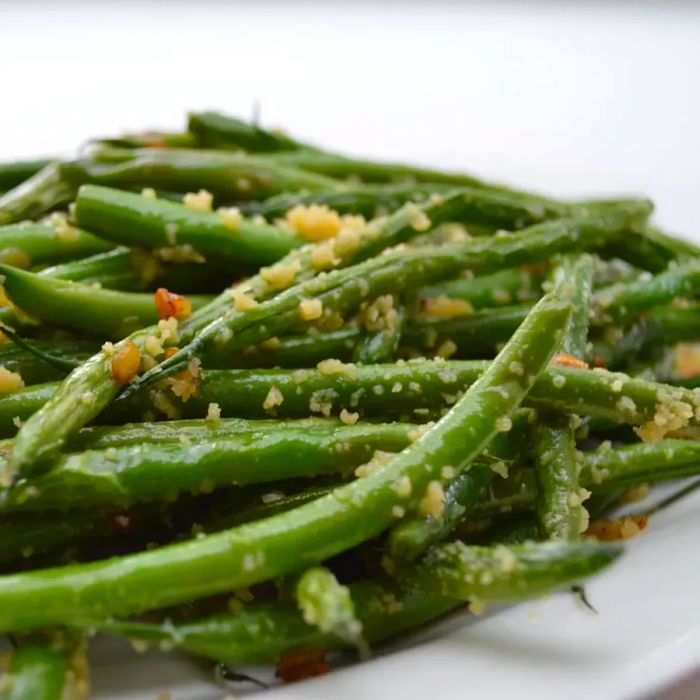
x: 16, y: 172
x: 228, y: 176
x: 348, y: 516
x: 265, y: 632
x: 497, y: 289
x: 18, y: 406
x: 503, y: 573
x: 554, y: 440
x: 28, y: 244
x: 623, y: 301
x: 216, y: 130
x: 146, y: 470
x: 131, y: 219
x: 47, y: 189
x: 328, y: 605
x: 343, y: 290
x: 39, y: 670
x: 201, y: 430
x: 100, y: 312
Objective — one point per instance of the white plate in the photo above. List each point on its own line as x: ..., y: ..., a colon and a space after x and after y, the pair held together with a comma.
x: 568, y: 99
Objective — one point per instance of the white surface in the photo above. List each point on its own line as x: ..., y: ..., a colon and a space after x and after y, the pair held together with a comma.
x: 568, y: 99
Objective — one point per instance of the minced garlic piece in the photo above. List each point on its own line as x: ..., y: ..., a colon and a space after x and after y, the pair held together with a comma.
x: 324, y: 256
x: 433, y: 502
x: 230, y: 217
x: 201, y: 201
x: 446, y: 349
x: 671, y: 414
x: 64, y: 231
x: 108, y: 349
x: 445, y: 307
x: 186, y: 384
x: 417, y: 218
x: 403, y: 487
x: 241, y: 301
x: 380, y: 315
x: 331, y: 366
x: 310, y: 309
x: 179, y: 254
x: 167, y: 330
x: 280, y: 276
x: 148, y: 193
x: 476, y: 606
x: 379, y: 460
x: 152, y: 346
x: 9, y: 381
x: 503, y: 424
x: 687, y: 360
x: 347, y: 241
x: 214, y: 412
x: 274, y: 398
x: 315, y: 222
x: 349, y: 418
x: 505, y: 557
x: 398, y: 511
x: 500, y: 468
x: 638, y: 493
x: 270, y: 343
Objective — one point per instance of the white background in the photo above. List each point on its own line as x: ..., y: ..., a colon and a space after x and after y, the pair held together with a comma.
x: 568, y: 98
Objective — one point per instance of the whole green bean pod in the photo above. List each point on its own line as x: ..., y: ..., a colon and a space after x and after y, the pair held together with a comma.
x: 132, y: 219
x: 28, y: 244
x: 221, y: 131
x: 265, y: 632
x: 145, y: 471
x: 265, y: 549
x: 65, y: 413
x: 228, y: 176
x: 100, y: 312
x: 554, y: 440
x: 47, y: 189
x: 425, y: 387
x: 498, y: 573
x: 13, y: 173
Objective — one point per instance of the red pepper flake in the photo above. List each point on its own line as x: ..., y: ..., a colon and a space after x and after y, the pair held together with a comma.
x: 569, y: 361
x: 125, y: 363
x: 170, y: 304
x: 597, y: 361
x: 301, y: 664
x: 169, y: 352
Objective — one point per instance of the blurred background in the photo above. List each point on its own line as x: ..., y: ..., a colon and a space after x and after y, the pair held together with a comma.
x: 573, y: 98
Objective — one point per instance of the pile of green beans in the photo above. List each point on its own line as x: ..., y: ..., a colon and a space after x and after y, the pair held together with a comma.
x: 261, y: 401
